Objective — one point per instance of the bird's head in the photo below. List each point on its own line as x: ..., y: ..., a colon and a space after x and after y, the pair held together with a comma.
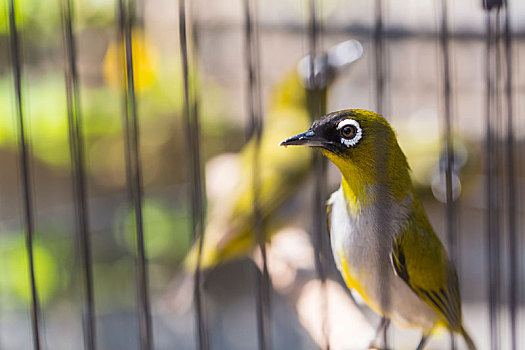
x: 361, y: 144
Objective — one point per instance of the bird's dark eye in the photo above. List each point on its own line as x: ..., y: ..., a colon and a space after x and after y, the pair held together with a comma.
x: 349, y: 131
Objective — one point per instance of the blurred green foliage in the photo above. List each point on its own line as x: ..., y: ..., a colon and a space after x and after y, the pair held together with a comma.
x: 42, y: 16
x: 162, y: 146
x: 33, y: 14
x: 14, y: 284
x: 164, y: 229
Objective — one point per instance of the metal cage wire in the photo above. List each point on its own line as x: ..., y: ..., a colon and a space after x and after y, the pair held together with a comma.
x: 501, y: 183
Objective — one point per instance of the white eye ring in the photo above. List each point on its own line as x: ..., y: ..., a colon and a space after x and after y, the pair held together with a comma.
x: 359, y: 133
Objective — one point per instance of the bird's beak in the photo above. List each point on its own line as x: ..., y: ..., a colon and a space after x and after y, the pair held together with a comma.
x: 305, y: 139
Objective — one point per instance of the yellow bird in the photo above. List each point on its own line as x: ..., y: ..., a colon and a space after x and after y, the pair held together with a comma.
x: 382, y: 241
x: 229, y: 230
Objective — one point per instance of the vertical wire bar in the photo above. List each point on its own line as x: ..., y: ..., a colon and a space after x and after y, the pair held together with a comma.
x: 317, y: 107
x: 76, y: 144
x: 380, y: 72
x: 448, y: 137
x: 511, y: 184
x: 133, y: 171
x: 251, y: 42
x: 491, y: 184
x: 197, y: 210
x: 23, y: 149
x: 500, y: 161
x: 379, y: 55
x: 449, y: 144
x: 488, y: 166
x: 254, y: 130
x: 498, y: 170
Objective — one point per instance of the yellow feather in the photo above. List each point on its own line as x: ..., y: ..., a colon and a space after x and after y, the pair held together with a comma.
x: 376, y: 183
x: 353, y: 283
x: 229, y: 231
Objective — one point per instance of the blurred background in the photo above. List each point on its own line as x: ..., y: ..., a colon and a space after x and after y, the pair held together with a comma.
x: 412, y: 100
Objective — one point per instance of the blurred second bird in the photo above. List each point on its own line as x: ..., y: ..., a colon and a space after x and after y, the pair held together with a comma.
x: 229, y: 232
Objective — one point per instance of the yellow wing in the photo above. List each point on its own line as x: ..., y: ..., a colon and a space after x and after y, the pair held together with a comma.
x: 281, y: 172
x: 328, y: 217
x: 419, y: 258
x: 229, y: 234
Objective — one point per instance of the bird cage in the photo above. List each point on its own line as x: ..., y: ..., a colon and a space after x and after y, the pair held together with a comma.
x: 145, y: 202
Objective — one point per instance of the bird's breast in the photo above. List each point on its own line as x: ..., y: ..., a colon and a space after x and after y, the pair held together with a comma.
x: 352, y: 232
x: 354, y: 246
x: 362, y: 256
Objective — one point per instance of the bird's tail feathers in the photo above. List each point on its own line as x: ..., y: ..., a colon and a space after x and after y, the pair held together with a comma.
x: 468, y: 339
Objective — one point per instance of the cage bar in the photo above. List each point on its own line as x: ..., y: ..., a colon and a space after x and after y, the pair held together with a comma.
x: 491, y: 168
x: 126, y: 11
x: 24, y: 150
x: 191, y: 121
x: 448, y: 142
x: 513, y: 243
x: 379, y: 59
x: 380, y: 103
x: 254, y: 131
x: 448, y: 133
x: 76, y: 144
x: 317, y: 93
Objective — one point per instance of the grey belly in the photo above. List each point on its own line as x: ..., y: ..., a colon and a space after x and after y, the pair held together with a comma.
x: 368, y: 262
x: 388, y: 292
